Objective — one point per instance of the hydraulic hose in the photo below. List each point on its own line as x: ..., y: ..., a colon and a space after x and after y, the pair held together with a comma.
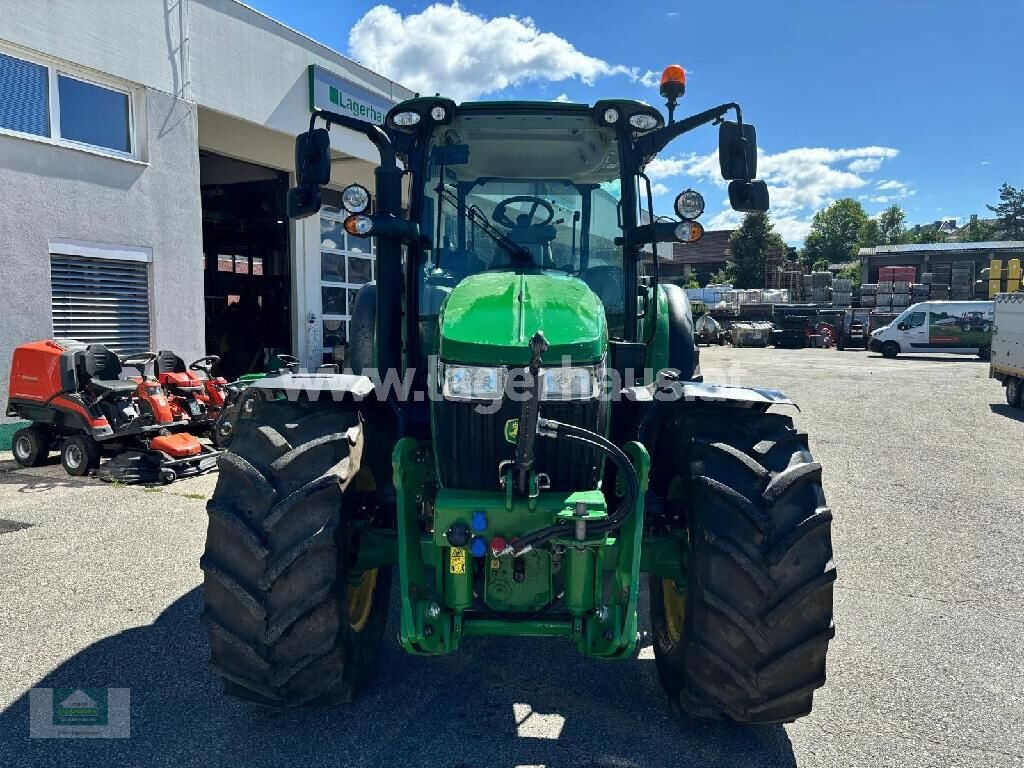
x: 555, y: 429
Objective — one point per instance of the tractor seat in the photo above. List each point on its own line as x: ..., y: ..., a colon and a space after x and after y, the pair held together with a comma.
x: 168, y: 362
x: 99, y: 370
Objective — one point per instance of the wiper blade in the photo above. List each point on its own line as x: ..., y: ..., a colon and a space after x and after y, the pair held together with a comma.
x: 473, y: 215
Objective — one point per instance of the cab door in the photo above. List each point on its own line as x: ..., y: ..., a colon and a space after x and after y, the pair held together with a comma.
x: 915, y: 330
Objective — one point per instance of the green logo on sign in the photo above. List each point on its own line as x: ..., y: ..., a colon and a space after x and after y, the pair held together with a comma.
x: 357, y: 108
x: 79, y: 706
x: 512, y: 430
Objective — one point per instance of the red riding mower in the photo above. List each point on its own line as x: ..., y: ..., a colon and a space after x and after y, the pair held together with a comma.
x: 195, y: 394
x: 78, y: 404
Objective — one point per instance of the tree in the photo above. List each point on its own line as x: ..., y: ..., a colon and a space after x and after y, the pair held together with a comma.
x: 692, y: 282
x: 725, y: 276
x: 820, y: 266
x: 834, y: 233
x: 870, y: 234
x: 975, y: 231
x: 1009, y: 213
x: 925, y: 234
x: 851, y: 273
x: 892, y: 225
x: 750, y: 245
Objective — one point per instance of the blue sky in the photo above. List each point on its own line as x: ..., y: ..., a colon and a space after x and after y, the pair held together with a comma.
x: 918, y: 102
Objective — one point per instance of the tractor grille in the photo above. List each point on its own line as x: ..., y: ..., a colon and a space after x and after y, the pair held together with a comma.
x: 471, y: 445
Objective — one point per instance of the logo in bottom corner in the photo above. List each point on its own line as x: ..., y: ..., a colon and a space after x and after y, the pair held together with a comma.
x: 80, y: 706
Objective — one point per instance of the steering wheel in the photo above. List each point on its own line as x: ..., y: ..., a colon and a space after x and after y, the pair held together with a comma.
x: 204, y: 364
x: 502, y: 218
x: 288, y: 360
x: 139, y: 361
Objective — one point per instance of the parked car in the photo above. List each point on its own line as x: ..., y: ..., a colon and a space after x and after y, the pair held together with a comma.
x: 958, y: 327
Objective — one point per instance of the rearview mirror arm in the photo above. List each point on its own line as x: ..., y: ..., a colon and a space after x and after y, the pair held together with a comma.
x: 652, y: 143
x: 374, y: 133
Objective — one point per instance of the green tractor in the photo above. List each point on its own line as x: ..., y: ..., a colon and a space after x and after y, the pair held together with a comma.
x: 521, y: 432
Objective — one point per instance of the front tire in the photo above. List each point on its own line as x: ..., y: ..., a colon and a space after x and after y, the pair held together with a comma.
x: 890, y: 349
x: 289, y: 624
x: 745, y: 639
x: 79, y: 455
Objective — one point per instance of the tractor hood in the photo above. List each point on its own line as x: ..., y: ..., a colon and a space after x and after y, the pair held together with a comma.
x: 489, y: 318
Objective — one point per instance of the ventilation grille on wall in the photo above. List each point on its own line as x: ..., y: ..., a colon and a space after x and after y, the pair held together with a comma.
x: 101, y: 301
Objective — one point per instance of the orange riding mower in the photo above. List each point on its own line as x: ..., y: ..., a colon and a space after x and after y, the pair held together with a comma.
x: 194, y: 393
x: 79, y: 405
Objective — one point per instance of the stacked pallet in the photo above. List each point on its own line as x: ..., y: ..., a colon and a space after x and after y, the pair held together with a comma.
x: 961, y: 287
x: 900, y: 295
x: 842, y: 292
x: 818, y: 287
x: 919, y: 292
x: 898, y: 274
x: 867, y: 294
x: 939, y: 285
x: 883, y: 296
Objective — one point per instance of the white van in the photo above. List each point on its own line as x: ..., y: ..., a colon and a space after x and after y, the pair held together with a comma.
x: 957, y: 327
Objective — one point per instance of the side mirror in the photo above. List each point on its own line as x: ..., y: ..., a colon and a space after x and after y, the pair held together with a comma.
x: 748, y: 196
x: 737, y: 151
x: 901, y: 327
x: 313, y: 157
x: 303, y: 200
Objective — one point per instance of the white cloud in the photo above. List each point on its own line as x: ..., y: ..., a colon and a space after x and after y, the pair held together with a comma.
x: 800, y: 181
x: 658, y: 189
x: 865, y: 165
x: 986, y: 162
x: 562, y: 98
x: 650, y: 79
x: 449, y: 50
x: 672, y: 14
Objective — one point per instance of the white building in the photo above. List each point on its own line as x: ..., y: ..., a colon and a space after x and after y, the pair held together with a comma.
x: 145, y: 152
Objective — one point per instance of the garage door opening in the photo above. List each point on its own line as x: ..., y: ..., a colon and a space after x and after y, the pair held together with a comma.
x: 247, y: 264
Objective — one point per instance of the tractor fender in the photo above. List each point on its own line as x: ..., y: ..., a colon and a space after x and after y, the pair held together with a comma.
x: 669, y: 390
x: 313, y: 384
x: 683, y: 354
x: 362, y: 330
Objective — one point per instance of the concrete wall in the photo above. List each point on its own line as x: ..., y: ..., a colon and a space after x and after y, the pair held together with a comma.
x: 142, y: 41
x: 49, y: 192
x: 230, y: 46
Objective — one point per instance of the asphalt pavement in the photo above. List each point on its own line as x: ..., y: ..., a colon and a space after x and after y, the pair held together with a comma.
x: 922, y: 466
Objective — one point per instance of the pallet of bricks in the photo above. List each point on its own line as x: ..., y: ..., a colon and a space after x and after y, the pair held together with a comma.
x: 868, y: 294
x: 818, y: 287
x: 894, y: 288
x: 961, y: 285
x: 938, y: 282
x: 842, y: 292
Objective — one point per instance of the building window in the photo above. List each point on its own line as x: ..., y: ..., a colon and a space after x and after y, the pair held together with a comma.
x: 346, y: 264
x: 92, y: 114
x: 100, y: 300
x: 24, y: 96
x: 45, y: 100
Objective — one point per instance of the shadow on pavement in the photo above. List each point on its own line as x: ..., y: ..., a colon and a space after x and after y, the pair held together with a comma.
x: 1017, y: 414
x: 495, y: 703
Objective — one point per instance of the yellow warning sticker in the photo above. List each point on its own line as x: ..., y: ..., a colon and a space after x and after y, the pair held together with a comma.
x: 495, y: 564
x: 457, y: 561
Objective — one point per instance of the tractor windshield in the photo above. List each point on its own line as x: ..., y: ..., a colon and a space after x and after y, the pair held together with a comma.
x: 529, y: 191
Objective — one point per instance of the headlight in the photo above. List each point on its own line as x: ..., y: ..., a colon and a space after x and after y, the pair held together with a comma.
x: 406, y: 119
x: 570, y: 383
x: 471, y: 382
x: 355, y: 198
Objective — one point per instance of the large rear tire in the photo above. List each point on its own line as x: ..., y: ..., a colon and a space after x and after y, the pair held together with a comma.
x: 745, y: 639
x: 289, y: 622
x: 1015, y: 392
